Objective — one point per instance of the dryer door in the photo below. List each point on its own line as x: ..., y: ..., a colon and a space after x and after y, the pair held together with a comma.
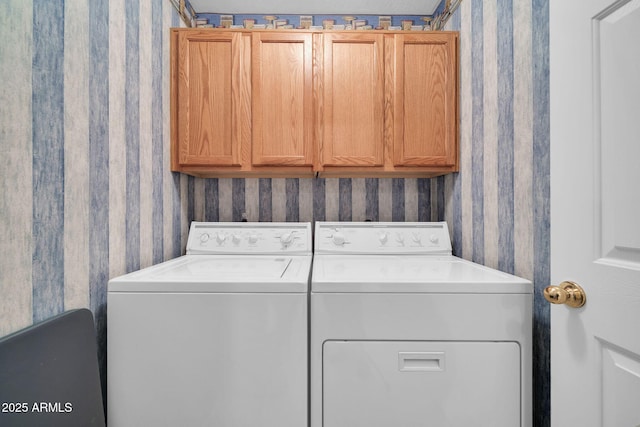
x: 411, y: 384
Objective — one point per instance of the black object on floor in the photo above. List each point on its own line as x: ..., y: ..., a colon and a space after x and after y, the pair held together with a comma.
x: 49, y: 374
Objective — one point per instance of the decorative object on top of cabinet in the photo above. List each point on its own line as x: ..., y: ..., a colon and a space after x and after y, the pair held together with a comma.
x: 384, y: 22
x: 306, y: 21
x: 427, y: 22
x: 348, y: 22
x: 226, y: 21
x: 369, y: 10
x: 312, y: 102
x: 320, y: 8
x: 270, y: 20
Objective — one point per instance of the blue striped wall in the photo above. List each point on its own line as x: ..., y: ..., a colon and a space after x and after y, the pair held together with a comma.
x: 498, y: 205
x: 87, y: 193
x: 330, y: 199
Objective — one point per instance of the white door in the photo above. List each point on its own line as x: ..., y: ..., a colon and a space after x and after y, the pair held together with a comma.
x: 595, y: 211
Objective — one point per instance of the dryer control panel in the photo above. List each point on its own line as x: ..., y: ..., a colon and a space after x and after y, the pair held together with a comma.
x: 382, y: 238
x: 249, y: 238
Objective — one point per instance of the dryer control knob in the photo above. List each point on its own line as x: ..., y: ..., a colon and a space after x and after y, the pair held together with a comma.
x: 235, y: 238
x: 253, y: 238
x: 416, y: 238
x: 338, y: 238
x: 204, y: 237
x: 434, y: 239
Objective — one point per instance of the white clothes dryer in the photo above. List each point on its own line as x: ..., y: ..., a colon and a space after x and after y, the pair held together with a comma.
x: 217, y: 337
x: 405, y: 334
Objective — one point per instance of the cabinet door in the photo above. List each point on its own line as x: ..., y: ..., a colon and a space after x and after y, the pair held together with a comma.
x: 353, y: 100
x: 211, y: 95
x: 282, y: 99
x: 425, y: 100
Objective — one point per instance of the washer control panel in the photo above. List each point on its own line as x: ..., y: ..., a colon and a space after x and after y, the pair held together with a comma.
x: 382, y: 238
x: 247, y: 237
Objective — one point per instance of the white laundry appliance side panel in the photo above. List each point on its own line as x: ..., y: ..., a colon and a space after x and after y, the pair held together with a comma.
x: 248, y: 366
x: 415, y: 384
x: 421, y: 317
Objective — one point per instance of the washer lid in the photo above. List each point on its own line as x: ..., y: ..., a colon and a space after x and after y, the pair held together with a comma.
x: 410, y: 274
x: 220, y: 273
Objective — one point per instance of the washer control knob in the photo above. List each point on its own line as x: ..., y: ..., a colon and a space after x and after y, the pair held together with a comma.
x: 434, y: 239
x: 204, y: 237
x: 338, y: 238
x: 416, y: 238
x: 221, y: 238
x: 400, y: 238
x: 253, y: 238
x: 286, y: 239
x: 235, y: 238
x: 383, y: 237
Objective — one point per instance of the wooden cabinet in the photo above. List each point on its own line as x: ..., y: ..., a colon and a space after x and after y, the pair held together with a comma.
x: 282, y: 106
x: 293, y: 103
x: 390, y: 104
x: 424, y: 95
x: 353, y: 99
x: 210, y: 99
x: 242, y: 103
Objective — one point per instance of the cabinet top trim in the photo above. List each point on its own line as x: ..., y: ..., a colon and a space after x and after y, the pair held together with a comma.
x: 313, y: 31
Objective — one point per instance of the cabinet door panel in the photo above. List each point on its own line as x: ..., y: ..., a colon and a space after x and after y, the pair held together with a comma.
x: 282, y: 105
x: 425, y: 107
x: 210, y: 98
x: 353, y: 95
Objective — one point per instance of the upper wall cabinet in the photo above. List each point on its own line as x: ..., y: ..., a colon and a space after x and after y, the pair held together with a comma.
x: 297, y: 103
x: 390, y: 104
x: 242, y: 103
x: 424, y: 97
x: 210, y: 98
x: 282, y: 107
x: 352, y: 122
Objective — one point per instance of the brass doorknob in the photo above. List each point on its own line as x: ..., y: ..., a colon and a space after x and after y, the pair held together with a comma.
x: 568, y: 293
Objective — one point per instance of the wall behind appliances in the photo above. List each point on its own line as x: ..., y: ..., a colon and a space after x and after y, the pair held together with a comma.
x: 307, y: 199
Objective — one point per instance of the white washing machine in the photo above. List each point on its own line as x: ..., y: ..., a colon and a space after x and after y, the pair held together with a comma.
x: 217, y: 337
x: 405, y: 334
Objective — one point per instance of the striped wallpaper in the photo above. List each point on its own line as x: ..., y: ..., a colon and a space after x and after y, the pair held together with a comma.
x: 86, y: 188
x: 497, y: 206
